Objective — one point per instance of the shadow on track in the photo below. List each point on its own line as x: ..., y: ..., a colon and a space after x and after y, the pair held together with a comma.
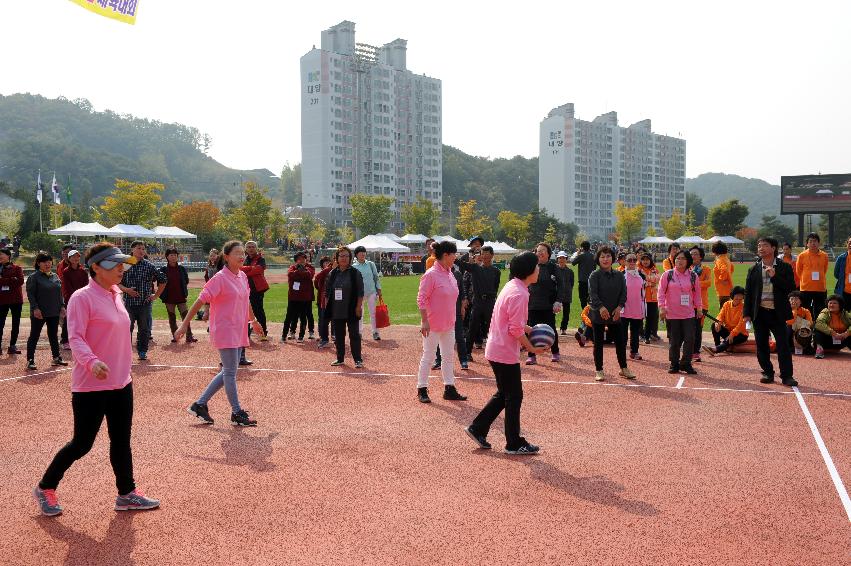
x: 115, y: 548
x: 241, y: 449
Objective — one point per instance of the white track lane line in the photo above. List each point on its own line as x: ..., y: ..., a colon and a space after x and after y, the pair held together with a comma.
x: 680, y: 382
x: 834, y: 475
x: 33, y: 374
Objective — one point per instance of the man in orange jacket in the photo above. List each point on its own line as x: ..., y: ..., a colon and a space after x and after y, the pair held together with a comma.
x: 811, y: 267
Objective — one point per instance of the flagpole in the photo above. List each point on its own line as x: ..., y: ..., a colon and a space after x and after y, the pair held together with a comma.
x: 39, y: 189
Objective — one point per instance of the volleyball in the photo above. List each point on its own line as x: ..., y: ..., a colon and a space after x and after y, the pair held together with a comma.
x: 542, y: 335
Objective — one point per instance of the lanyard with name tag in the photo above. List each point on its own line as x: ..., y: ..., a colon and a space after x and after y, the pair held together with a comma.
x: 296, y: 285
x: 816, y: 275
x: 338, y: 294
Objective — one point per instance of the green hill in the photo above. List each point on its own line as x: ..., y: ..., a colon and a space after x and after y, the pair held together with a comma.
x: 761, y: 198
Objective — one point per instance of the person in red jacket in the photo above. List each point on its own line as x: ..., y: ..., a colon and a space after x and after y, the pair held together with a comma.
x: 254, y: 268
x: 73, y: 276
x: 300, y: 297
x: 11, y: 297
x: 325, y: 265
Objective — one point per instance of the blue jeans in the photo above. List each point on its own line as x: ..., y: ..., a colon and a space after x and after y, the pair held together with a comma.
x: 226, y: 377
x: 141, y: 314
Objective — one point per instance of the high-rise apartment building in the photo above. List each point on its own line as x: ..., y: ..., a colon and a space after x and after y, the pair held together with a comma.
x: 586, y: 167
x: 368, y: 125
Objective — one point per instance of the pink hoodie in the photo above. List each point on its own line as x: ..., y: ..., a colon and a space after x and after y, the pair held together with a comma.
x: 508, y: 323
x: 635, y: 306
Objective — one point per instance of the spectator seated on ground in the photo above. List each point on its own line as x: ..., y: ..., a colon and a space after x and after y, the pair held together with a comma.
x: 729, y: 330
x: 799, y: 328
x: 585, y: 332
x: 833, y: 327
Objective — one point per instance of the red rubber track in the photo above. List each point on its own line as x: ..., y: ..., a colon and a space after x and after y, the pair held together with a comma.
x: 347, y: 467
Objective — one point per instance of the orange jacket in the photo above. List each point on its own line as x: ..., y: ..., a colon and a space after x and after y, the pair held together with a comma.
x: 430, y: 262
x: 723, y: 273
x: 731, y: 318
x: 651, y: 290
x: 667, y: 264
x: 803, y: 313
x: 585, y: 318
x: 705, y: 279
x: 807, y: 266
x: 791, y: 261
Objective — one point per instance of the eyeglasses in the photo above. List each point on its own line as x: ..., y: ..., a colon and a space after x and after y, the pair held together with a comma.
x: 633, y: 260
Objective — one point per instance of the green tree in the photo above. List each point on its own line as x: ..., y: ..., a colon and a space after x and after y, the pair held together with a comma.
x: 691, y: 228
x: 278, y: 225
x: 371, y: 213
x: 675, y: 226
x: 651, y: 231
x: 38, y: 241
x: 346, y: 235
x: 132, y: 203
x: 420, y: 216
x: 773, y: 227
x: 728, y: 217
x: 514, y: 226
x: 694, y: 204
x: 255, y: 211
x: 10, y: 221
x: 628, y: 221
x: 841, y: 227
x: 166, y: 212
x: 580, y: 237
x: 291, y: 184
x: 471, y: 222
x: 551, y: 236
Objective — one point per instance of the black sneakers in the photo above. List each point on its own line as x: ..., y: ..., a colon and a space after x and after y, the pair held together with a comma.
x: 435, y: 365
x: 31, y: 364
x: 789, y: 381
x: 201, y: 412
x: 58, y: 361
x: 451, y: 394
x: 766, y: 378
x: 242, y: 419
x: 689, y: 369
x: 422, y: 395
x: 245, y: 362
x: 478, y: 438
x: 524, y: 449
x: 674, y: 369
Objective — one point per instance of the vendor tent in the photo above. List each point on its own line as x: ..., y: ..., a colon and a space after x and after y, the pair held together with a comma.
x: 501, y: 248
x: 83, y: 229
x: 412, y: 239
x: 726, y: 239
x: 393, y: 237
x: 379, y: 243
x: 132, y: 231
x: 657, y: 240
x: 690, y: 240
x: 172, y: 233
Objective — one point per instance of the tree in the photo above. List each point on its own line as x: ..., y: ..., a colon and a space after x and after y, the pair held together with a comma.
x: 694, y: 204
x: 515, y: 227
x: 346, y: 234
x: 420, y: 216
x: 675, y: 226
x: 165, y: 215
x: 255, y: 210
x: 550, y: 236
x: 199, y: 218
x: 628, y: 221
x: 579, y: 238
x: 772, y: 227
x: 472, y: 222
x: 38, y: 241
x: 728, y: 217
x: 651, y: 231
x: 132, y: 203
x: 278, y: 225
x: 841, y: 227
x: 10, y: 221
x: 291, y: 184
x: 371, y: 214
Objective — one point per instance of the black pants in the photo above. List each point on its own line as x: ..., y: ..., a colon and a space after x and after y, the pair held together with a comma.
x: 508, y: 396
x: 548, y: 317
x: 324, y: 322
x: 172, y: 318
x: 847, y: 298
x: 698, y: 332
x: 723, y: 341
x: 480, y: 322
x: 681, y: 338
x: 90, y: 408
x: 615, y: 332
x: 633, y: 326
x: 565, y: 316
x: 296, y: 311
x: 460, y: 342
x: 340, y: 325
x: 826, y: 341
x: 256, y: 300
x: 766, y: 323
x: 651, y: 322
x: 814, y: 301
x: 63, y: 339
x: 310, y: 326
x: 16, y: 322
x: 36, y: 325
x: 139, y: 314
x: 583, y: 293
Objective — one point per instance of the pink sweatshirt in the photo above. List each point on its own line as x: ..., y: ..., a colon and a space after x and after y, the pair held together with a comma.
x: 99, y: 331
x: 672, y: 296
x: 508, y: 323
x: 437, y: 296
x: 227, y: 295
x: 635, y: 306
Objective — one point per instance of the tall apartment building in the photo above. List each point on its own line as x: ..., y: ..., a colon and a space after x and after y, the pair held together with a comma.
x: 368, y: 125
x: 586, y: 167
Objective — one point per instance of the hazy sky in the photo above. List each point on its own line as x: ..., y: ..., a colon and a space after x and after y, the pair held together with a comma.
x: 760, y: 89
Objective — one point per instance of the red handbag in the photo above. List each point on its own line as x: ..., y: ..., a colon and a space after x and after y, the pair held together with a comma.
x: 382, y: 315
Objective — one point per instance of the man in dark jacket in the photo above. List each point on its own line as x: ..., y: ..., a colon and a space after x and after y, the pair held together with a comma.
x: 484, y: 278
x: 767, y: 289
x: 176, y: 292
x: 585, y: 260
x: 565, y: 273
x: 543, y: 298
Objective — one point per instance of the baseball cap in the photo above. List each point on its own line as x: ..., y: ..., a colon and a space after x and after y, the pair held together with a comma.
x: 561, y: 254
x: 110, y: 257
x: 73, y: 252
x: 479, y: 238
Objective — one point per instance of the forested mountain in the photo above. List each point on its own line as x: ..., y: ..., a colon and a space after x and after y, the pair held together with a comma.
x: 760, y: 197
x: 95, y: 148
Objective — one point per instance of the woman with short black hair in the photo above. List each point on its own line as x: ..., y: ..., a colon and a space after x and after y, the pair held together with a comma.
x: 607, y: 297
x: 679, y: 303
x: 344, y: 299
x: 44, y: 292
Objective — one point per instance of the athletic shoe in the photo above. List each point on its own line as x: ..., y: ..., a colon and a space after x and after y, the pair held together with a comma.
x: 581, y: 339
x: 337, y: 363
x: 376, y: 336
x: 819, y: 353
x: 47, y: 502
x: 556, y: 357
x: 143, y: 356
x: 283, y: 339
x: 300, y: 340
x: 245, y: 362
x: 242, y: 419
x: 479, y: 346
x: 173, y: 340
x: 65, y: 346
x: 523, y: 450
x: 310, y: 336
x: 291, y: 336
x: 696, y: 357
x: 656, y: 338
x: 13, y: 350
x: 135, y: 501
x: 264, y: 338
x: 766, y: 378
x: 435, y: 365
x: 646, y: 340
x: 599, y: 376
x: 627, y: 373
x: 58, y: 361
x: 31, y: 364
x: 531, y: 360
x: 191, y: 339
x: 563, y: 332
x: 689, y: 369
x: 635, y: 356
x: 359, y: 364
x: 201, y: 412
x: 674, y: 369
x: 710, y: 351
x: 451, y: 394
x: 789, y: 381
x: 323, y: 344
x: 478, y: 438
x: 422, y: 395
x: 464, y: 365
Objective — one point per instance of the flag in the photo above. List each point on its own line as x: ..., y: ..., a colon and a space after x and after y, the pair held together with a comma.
x: 55, y: 187
x: 38, y: 187
x: 121, y: 10
x: 68, y: 191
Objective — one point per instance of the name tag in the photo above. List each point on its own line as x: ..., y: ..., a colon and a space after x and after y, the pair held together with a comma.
x: 5, y: 288
x: 684, y: 300
x: 816, y: 275
x: 296, y: 285
x: 338, y: 294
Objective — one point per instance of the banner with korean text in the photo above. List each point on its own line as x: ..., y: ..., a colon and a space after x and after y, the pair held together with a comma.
x: 121, y: 10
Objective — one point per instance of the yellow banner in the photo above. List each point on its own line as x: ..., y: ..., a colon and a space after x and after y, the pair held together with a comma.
x: 121, y: 10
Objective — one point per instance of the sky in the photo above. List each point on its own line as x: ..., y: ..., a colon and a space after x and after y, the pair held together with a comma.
x: 757, y: 88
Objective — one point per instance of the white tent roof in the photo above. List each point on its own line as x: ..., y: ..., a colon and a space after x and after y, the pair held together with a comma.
x: 726, y: 239
x: 83, y: 229
x: 655, y: 240
x: 393, y: 237
x: 448, y: 237
x: 690, y: 240
x: 132, y: 231
x: 412, y: 239
x: 379, y: 243
x: 172, y: 232
x: 501, y: 248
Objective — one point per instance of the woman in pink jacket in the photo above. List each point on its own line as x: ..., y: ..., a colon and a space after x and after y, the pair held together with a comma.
x: 507, y: 334
x: 679, y: 301
x: 635, y: 309
x: 101, y: 386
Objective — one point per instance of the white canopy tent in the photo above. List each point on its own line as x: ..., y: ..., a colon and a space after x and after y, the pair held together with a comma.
x: 501, y: 248
x: 656, y: 240
x: 448, y: 237
x: 132, y: 231
x: 83, y: 229
x: 726, y: 239
x: 690, y: 240
x: 379, y: 243
x: 393, y: 237
x: 172, y: 233
x: 412, y: 239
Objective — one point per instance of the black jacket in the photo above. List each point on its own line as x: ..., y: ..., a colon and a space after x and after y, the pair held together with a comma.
x: 784, y: 283
x: 547, y: 290
x: 184, y: 281
x: 605, y: 289
x: 587, y: 265
x: 566, y: 276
